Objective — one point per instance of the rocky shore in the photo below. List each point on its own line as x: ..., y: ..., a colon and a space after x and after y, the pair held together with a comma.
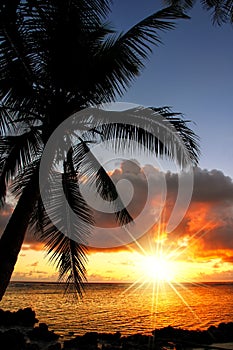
x: 18, y: 332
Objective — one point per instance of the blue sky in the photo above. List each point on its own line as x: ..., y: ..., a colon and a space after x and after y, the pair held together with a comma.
x: 192, y: 73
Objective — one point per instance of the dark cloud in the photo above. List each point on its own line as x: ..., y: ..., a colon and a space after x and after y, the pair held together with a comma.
x: 143, y: 190
x: 208, y: 222
x: 209, y: 186
x: 207, y: 225
x: 212, y: 186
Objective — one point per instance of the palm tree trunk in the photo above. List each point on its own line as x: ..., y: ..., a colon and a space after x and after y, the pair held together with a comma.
x: 14, y: 233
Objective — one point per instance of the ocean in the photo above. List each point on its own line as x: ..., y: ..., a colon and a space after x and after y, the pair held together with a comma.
x: 111, y: 307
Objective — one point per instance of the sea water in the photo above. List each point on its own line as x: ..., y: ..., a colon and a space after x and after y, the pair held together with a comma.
x: 111, y: 307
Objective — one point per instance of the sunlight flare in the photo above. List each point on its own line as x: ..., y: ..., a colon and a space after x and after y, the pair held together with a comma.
x: 158, y: 268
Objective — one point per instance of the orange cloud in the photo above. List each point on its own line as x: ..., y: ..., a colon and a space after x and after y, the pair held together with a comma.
x: 205, y: 234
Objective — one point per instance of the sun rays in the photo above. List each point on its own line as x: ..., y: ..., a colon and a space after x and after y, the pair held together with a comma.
x: 162, y: 266
x: 157, y: 268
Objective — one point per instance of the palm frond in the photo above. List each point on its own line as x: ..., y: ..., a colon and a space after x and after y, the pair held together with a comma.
x: 17, y: 152
x: 71, y: 265
x: 189, y: 140
x: 123, y: 56
x: 6, y: 124
x: 146, y: 31
x: 67, y: 208
x: 65, y: 226
x: 183, y: 4
x: 23, y: 178
x: 159, y: 130
x: 221, y: 10
x: 68, y: 256
x: 16, y: 69
x: 89, y: 10
x: 87, y: 165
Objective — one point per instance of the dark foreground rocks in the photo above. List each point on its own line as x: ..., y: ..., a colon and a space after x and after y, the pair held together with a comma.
x: 164, y: 338
x: 24, y: 336
x: 18, y: 332
x: 161, y: 339
x: 42, y: 333
x: 22, y: 317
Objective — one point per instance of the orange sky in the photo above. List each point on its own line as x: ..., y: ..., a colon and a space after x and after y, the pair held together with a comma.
x: 199, y: 249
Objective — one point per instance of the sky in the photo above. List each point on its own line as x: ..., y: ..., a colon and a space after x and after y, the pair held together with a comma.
x: 192, y: 73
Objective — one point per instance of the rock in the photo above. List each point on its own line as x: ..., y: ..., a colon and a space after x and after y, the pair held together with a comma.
x: 138, y: 339
x: 183, y: 336
x: 69, y: 344
x: 22, y: 317
x: 26, y: 317
x: 110, y: 337
x: 86, y: 342
x: 31, y: 346
x: 42, y: 333
x: 56, y: 346
x: 12, y: 339
x: 89, y: 338
x: 5, y: 318
x: 140, y: 342
x: 43, y: 327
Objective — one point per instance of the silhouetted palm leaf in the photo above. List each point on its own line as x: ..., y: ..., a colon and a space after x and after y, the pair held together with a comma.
x: 65, y: 226
x: 23, y: 178
x: 87, y: 165
x: 122, y: 56
x: 159, y: 130
x: 68, y: 255
x: 16, y: 153
x: 221, y: 10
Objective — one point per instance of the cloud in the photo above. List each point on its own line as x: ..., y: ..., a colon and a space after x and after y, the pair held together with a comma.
x: 212, y: 187
x: 216, y: 276
x: 143, y: 192
x: 32, y: 244
x: 205, y: 232
x: 208, y: 223
x: 228, y: 259
x: 32, y: 275
x: 95, y: 277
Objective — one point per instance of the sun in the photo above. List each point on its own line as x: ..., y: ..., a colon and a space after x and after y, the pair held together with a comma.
x: 157, y: 268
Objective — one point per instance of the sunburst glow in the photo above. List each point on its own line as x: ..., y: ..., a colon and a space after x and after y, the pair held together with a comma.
x: 158, y: 268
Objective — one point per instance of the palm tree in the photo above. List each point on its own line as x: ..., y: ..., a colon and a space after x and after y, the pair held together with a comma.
x: 57, y: 58
x: 221, y: 10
